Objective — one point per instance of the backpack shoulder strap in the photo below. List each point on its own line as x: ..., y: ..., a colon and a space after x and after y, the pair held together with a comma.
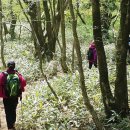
x: 5, y: 73
x: 16, y: 72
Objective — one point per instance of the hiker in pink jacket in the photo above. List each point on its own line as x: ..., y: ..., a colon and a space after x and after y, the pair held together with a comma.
x: 92, y: 55
x: 10, y: 102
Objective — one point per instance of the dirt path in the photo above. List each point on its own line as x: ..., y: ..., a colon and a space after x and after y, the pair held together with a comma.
x: 2, y: 117
x: 3, y: 125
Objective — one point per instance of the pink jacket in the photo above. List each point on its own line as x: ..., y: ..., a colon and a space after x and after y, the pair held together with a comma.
x: 94, y: 59
x: 2, y: 82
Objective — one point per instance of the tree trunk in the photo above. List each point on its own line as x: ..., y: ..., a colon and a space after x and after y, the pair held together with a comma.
x: 82, y: 82
x: 105, y: 19
x: 56, y: 19
x: 13, y: 24
x: 1, y: 37
x: 39, y: 54
x: 63, y: 51
x: 13, y: 21
x: 35, y: 16
x: 50, y: 43
x: 36, y: 22
x: 102, y: 64
x: 73, y: 57
x: 5, y: 29
x: 52, y: 25
x: 48, y: 40
x: 121, y: 90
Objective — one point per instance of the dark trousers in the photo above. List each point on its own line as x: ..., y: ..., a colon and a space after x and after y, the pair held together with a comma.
x: 10, y: 105
x: 90, y: 64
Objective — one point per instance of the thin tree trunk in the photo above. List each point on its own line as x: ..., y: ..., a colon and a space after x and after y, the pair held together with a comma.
x: 63, y: 51
x: 102, y: 64
x: 1, y: 36
x: 82, y: 82
x: 13, y: 24
x: 121, y: 90
x: 73, y: 57
x: 13, y: 21
x: 56, y: 19
x: 50, y: 44
x: 5, y: 28
x: 39, y: 54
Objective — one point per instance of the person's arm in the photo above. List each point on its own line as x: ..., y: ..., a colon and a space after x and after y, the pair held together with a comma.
x: 2, y: 80
x: 22, y: 82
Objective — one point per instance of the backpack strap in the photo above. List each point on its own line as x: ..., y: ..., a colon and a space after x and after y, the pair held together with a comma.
x: 5, y: 73
x: 16, y: 72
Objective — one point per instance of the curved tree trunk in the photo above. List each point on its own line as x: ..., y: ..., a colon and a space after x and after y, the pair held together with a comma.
x: 82, y: 82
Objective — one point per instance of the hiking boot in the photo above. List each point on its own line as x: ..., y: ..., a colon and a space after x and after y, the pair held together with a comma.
x: 14, y: 128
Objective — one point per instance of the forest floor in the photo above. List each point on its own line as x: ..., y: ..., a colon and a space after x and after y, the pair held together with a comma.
x: 3, y: 125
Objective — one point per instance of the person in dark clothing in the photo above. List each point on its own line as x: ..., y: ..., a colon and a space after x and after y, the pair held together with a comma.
x: 10, y: 103
x: 128, y: 50
x: 93, y: 59
x: 129, y: 45
x: 10, y: 106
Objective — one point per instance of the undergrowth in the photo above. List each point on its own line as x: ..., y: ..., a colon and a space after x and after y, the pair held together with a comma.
x: 39, y: 110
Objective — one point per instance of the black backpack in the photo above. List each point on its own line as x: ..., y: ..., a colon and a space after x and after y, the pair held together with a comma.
x: 90, y: 54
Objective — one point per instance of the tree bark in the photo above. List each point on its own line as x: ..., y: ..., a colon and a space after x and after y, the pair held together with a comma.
x: 63, y: 51
x: 50, y: 43
x: 5, y: 29
x: 34, y: 13
x: 82, y: 82
x: 48, y: 40
x: 56, y: 19
x: 12, y: 26
x: 107, y: 96
x: 39, y: 54
x: 121, y: 90
x: 106, y: 18
x: 73, y: 57
x: 1, y: 36
x: 13, y: 22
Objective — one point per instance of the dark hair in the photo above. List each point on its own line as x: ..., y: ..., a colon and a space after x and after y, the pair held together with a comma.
x: 11, y: 64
